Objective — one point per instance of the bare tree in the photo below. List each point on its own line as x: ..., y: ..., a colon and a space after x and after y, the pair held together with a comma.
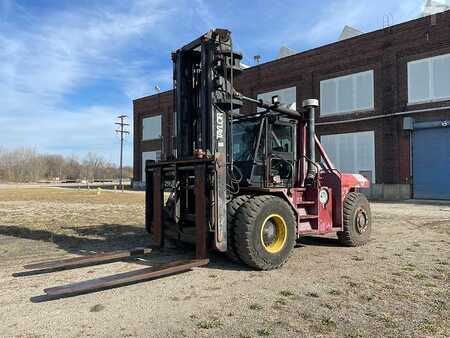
x: 93, y: 164
x: 27, y: 165
x: 55, y: 166
x: 22, y: 165
x: 73, y: 169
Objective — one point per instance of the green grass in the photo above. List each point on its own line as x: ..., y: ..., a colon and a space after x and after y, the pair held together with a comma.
x: 264, y: 332
x: 255, y: 306
x: 420, y: 276
x: 428, y: 326
x: 312, y: 294
x: 209, y: 324
x: 286, y: 293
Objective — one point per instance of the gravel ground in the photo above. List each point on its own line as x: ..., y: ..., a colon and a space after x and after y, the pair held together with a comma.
x: 396, y: 286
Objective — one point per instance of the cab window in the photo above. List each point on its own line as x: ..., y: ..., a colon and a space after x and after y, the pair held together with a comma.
x: 282, y: 135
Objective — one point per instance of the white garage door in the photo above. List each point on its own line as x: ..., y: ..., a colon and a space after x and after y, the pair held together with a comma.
x: 352, y: 153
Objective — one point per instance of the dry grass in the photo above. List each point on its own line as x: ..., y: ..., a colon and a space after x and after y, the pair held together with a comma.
x: 71, y: 218
x: 70, y: 196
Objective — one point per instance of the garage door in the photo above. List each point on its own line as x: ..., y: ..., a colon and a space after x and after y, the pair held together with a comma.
x: 431, y: 163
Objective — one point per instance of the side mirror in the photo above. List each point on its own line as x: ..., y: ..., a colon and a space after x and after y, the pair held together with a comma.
x: 275, y: 100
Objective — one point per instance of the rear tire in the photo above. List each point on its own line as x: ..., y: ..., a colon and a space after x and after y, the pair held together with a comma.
x: 357, y: 219
x: 265, y: 232
x: 232, y: 209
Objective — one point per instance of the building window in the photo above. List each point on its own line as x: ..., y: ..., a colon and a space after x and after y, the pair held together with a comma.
x: 429, y: 79
x: 287, y: 97
x: 347, y: 94
x: 151, y: 128
x: 352, y: 153
x: 149, y: 155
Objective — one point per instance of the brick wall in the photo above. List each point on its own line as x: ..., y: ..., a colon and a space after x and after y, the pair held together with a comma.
x: 160, y: 104
x: 386, y: 51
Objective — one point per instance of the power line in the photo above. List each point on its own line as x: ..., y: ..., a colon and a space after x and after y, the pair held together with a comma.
x: 122, y: 132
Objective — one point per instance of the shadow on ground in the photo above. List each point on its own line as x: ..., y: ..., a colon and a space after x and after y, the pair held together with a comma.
x: 318, y: 241
x: 110, y: 237
x: 104, y: 237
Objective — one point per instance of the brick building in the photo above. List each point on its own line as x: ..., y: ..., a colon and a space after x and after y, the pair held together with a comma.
x: 385, y: 103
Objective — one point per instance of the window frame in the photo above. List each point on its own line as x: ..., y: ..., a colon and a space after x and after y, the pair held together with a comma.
x: 282, y: 92
x: 431, y: 87
x: 160, y: 127
x: 356, y: 134
x: 354, y: 77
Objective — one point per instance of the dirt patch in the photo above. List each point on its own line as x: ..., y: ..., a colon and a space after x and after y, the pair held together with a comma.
x: 397, y: 286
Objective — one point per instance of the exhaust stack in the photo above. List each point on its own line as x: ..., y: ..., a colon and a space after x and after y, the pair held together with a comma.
x: 310, y: 105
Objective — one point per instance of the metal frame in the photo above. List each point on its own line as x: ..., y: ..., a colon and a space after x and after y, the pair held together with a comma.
x: 204, y: 118
x: 165, y: 171
x: 106, y: 282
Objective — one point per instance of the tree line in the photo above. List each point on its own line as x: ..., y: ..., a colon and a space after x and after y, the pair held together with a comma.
x: 28, y: 165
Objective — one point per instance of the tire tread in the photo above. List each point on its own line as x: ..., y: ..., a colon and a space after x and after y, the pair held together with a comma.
x: 245, y: 222
x: 346, y: 237
x: 232, y: 209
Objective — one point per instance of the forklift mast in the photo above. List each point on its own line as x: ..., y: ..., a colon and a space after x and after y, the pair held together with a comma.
x: 203, y: 85
x: 196, y: 171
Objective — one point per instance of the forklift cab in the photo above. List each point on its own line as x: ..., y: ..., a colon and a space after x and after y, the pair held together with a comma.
x: 264, y: 150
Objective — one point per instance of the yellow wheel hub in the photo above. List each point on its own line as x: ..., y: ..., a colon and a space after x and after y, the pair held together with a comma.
x: 274, y: 233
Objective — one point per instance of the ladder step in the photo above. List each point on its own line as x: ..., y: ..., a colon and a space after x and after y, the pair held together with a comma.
x: 306, y: 203
x: 308, y: 217
x: 124, y: 278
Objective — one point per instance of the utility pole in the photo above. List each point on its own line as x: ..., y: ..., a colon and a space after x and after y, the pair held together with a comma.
x: 122, y: 132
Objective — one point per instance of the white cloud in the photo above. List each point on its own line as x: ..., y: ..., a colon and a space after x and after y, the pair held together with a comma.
x: 56, y: 55
x: 69, y: 48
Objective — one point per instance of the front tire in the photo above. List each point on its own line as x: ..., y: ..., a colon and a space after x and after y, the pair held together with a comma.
x: 232, y: 209
x: 265, y: 232
x: 357, y: 220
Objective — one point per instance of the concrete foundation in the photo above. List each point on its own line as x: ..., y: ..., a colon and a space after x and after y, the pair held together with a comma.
x: 389, y: 192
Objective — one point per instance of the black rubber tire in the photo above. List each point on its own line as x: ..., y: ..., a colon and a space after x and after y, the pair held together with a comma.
x: 350, y: 236
x: 232, y: 207
x: 248, y: 223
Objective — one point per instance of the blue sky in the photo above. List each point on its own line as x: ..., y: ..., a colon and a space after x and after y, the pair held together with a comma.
x: 67, y: 68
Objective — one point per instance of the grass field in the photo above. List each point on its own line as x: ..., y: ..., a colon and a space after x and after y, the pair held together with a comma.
x: 70, y: 196
x: 71, y: 217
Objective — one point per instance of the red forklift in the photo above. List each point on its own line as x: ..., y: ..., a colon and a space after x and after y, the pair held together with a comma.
x: 246, y: 185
